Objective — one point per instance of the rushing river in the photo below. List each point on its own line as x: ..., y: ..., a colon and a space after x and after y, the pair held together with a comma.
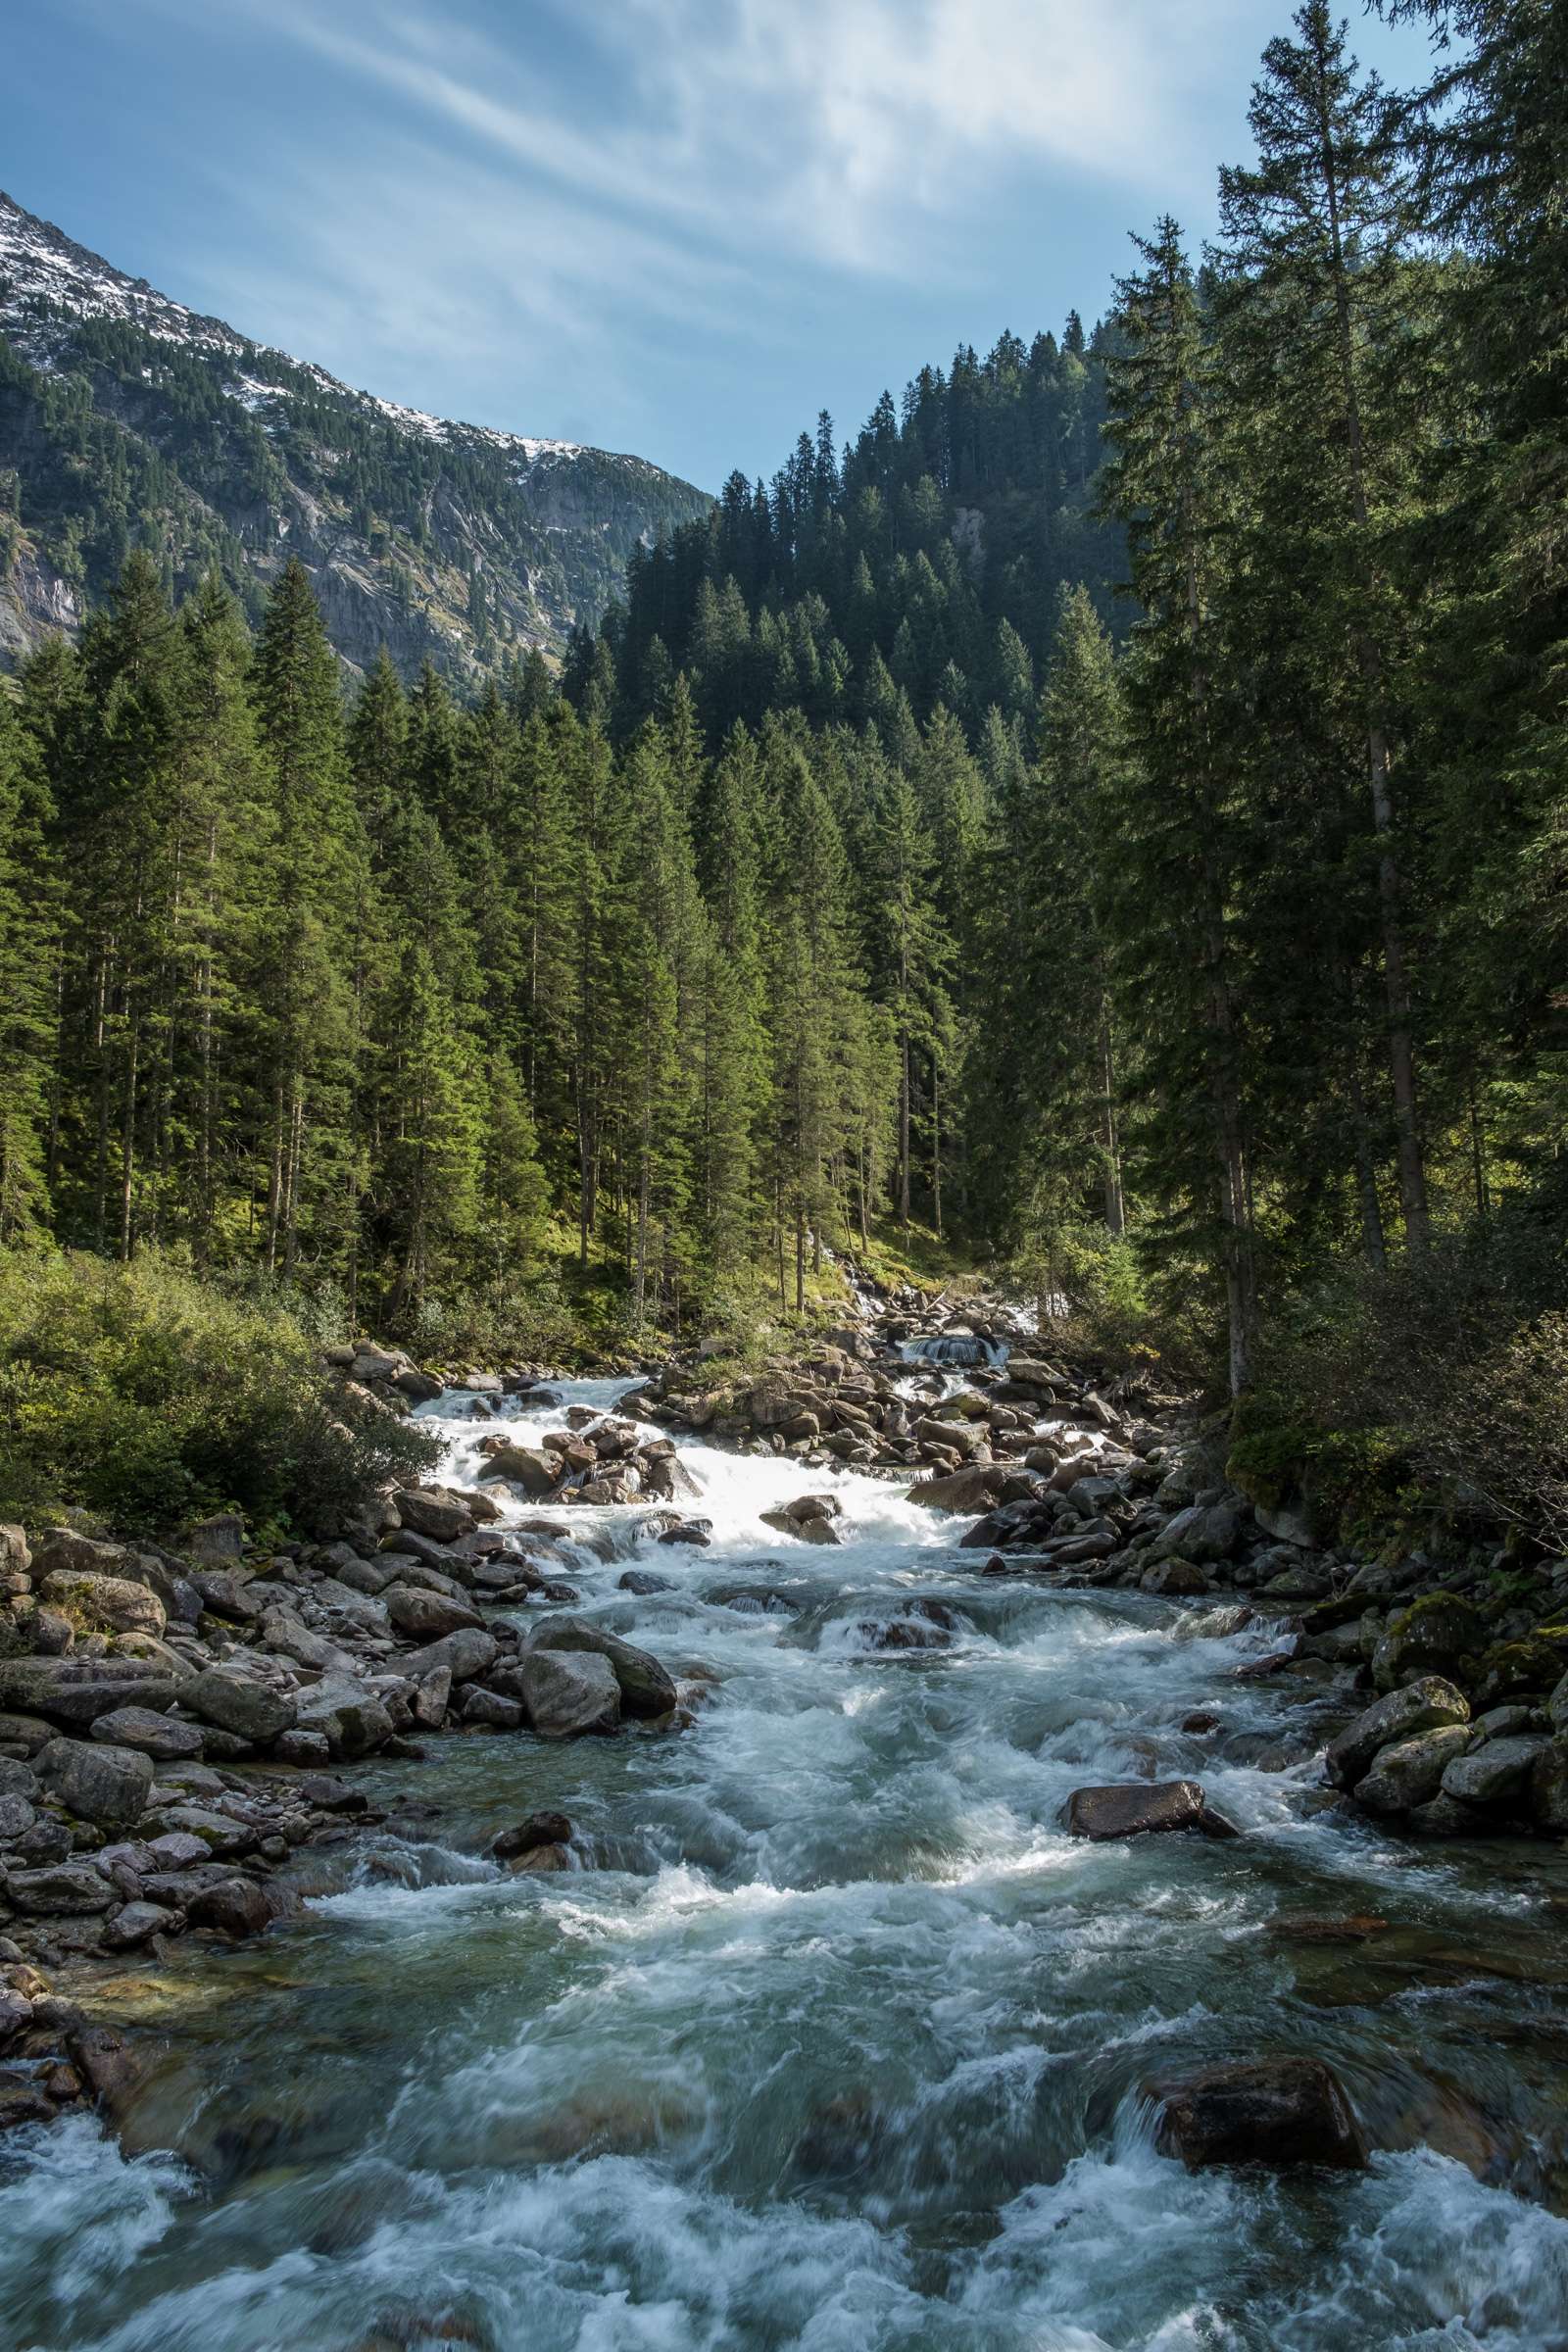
x: 835, y: 2042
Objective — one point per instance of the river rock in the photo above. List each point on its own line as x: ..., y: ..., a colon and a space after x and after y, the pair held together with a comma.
x: 1497, y: 1771
x: 1277, y: 2111
x: 227, y: 1595
x: 105, y: 1601
x: 1557, y: 1706
x: 239, y: 1703
x: 161, y: 1736
x: 491, y: 1708
x: 235, y: 1907
x: 1409, y: 1771
x: 17, y: 1818
x: 567, y: 1692
x: 1177, y: 1578
x: 425, y: 1616
x: 1202, y: 1532
x: 1421, y: 1706
x: 539, y: 1829
x: 646, y: 1688
x: 350, y: 1717
x: 65, y: 1550
x: 1547, y: 1798
x: 76, y: 1690
x: 71, y: 1887
x: 971, y: 1489
x: 137, y: 1922
x: 463, y: 1654
x: 522, y: 1465
x: 1439, y: 1633
x: 215, y: 1541
x: 98, y: 1783
x: 434, y: 1511
x: 642, y: 1583
x: 1137, y: 1808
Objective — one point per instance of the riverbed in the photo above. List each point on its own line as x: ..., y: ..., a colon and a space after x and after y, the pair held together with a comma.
x: 832, y: 2038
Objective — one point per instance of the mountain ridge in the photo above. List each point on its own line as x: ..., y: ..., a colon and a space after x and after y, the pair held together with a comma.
x: 127, y: 419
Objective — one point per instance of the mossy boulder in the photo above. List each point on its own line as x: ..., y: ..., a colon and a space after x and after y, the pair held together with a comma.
x: 1517, y: 1669
x: 1437, y: 1634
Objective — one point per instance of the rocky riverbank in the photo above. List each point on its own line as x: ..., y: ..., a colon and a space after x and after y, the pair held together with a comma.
x: 179, y: 1724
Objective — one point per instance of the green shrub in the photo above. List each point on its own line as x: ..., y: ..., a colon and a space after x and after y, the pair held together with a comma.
x: 148, y: 1397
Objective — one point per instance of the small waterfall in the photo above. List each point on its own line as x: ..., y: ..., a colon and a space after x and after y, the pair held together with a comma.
x: 955, y: 1347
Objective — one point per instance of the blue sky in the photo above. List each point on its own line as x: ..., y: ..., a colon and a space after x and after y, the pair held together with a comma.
x: 674, y: 226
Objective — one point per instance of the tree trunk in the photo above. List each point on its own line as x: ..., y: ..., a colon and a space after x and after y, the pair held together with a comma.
x: 1115, y: 1217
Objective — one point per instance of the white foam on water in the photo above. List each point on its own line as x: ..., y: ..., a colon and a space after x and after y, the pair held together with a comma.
x: 846, y: 2049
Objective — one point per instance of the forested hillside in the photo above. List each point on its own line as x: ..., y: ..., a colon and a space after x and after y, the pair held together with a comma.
x: 1199, y: 951
x: 126, y: 421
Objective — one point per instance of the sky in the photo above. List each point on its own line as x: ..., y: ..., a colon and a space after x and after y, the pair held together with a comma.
x: 678, y: 227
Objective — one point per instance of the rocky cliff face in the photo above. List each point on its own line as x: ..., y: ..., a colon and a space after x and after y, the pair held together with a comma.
x: 126, y: 419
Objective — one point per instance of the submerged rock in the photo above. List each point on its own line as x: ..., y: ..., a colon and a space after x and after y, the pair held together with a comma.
x: 1278, y: 2112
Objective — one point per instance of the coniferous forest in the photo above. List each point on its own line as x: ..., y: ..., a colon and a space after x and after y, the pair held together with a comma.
x: 1108, y: 814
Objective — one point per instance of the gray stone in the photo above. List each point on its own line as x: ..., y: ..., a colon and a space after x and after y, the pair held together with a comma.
x: 1410, y: 1771
x: 1547, y: 1798
x: 1421, y: 1706
x: 434, y: 1512
x: 17, y: 1818
x: 215, y: 1541
x: 350, y: 1717
x: 239, y: 1703
x: 74, y: 1888
x: 425, y: 1616
x: 66, y: 1550
x: 1495, y: 1771
x: 1179, y: 1578
x: 566, y: 1692
x: 1202, y: 1532
x: 646, y: 1688
x: 111, y: 1601
x: 75, y: 1690
x: 96, y: 1782
x: 491, y: 1707
x: 465, y: 1653
x: 235, y: 1907
x: 164, y: 1737
x: 962, y: 1489
x: 137, y: 1922
x: 227, y: 1595
x: 536, y: 1473
x: 1439, y: 1633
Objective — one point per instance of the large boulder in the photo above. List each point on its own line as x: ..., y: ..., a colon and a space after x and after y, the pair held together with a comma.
x: 955, y: 1437
x: 463, y: 1654
x: 1495, y: 1772
x: 974, y: 1489
x: 646, y: 1688
x: 1277, y: 2111
x: 567, y: 1692
x: 66, y: 1550
x: 75, y: 1690
x: 421, y: 1616
x: 352, y: 1719
x: 435, y: 1512
x: 239, y: 1703
x: 108, y: 1603
x: 164, y: 1737
x: 522, y: 1465
x: 1410, y: 1771
x: 95, y: 1782
x: 1202, y: 1532
x: 214, y: 1543
x: 1547, y: 1797
x: 1439, y: 1633
x: 1139, y: 1809
x: 1421, y: 1706
x: 74, y: 1888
